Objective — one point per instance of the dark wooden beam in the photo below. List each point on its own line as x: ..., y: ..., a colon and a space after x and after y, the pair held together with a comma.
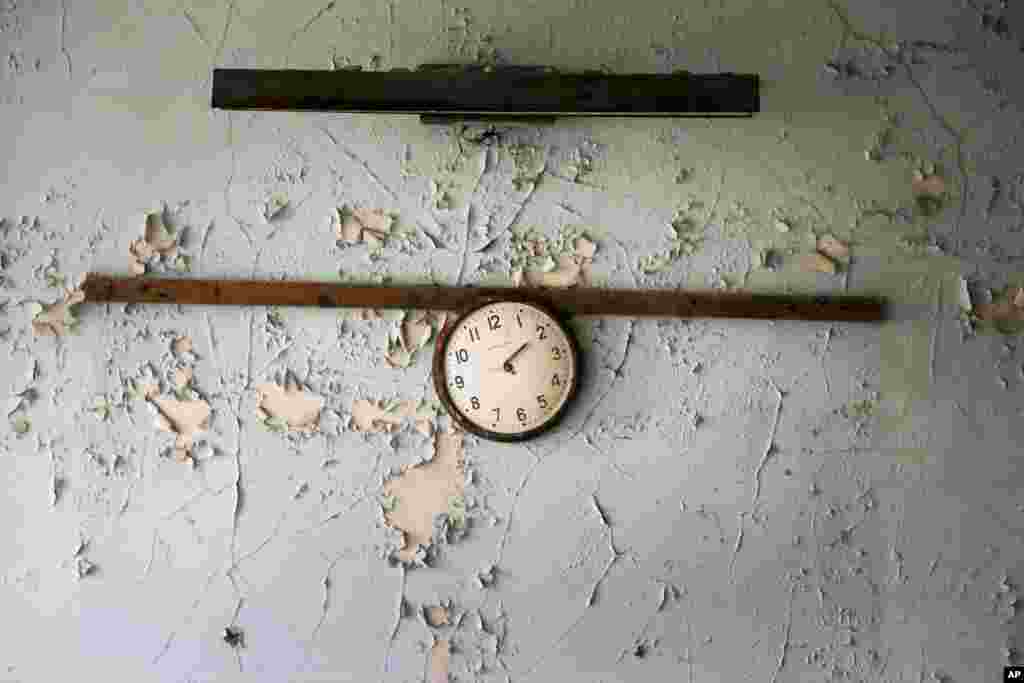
x: 670, y: 303
x: 474, y: 91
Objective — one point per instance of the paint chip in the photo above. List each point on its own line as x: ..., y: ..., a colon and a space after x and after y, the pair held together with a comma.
x: 1005, y: 310
x: 183, y: 263
x: 21, y: 425
x: 183, y: 418
x: 585, y: 248
x: 372, y: 226
x: 382, y: 416
x: 398, y: 357
x: 441, y: 191
x: 833, y: 248
x: 881, y: 142
x: 158, y: 242
x: 57, y: 319
x: 456, y: 520
x: 436, y: 615
x: 579, y: 166
x: 562, y: 261
x: 819, y: 263
x: 54, y: 279
x: 485, y: 577
x: 182, y: 377
x: 102, y: 408
x: 144, y: 388
x: 388, y: 503
x: 931, y: 185
x: 366, y: 314
x: 530, y: 163
x: 570, y: 269
x: 426, y: 491
x: 182, y: 345
x: 81, y: 565
x: 276, y: 208
x: 234, y: 636
x: 929, y: 192
x: 566, y: 274
x: 415, y: 331
x: 440, y: 654
x: 369, y: 416
x: 289, y: 406
x: 686, y: 237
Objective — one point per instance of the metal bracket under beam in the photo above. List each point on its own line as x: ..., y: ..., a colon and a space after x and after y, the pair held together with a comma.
x: 446, y: 93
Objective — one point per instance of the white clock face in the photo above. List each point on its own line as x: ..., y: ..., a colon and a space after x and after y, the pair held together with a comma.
x: 509, y: 367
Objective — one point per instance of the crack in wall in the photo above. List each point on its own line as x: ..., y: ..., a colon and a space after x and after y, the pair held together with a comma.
x: 769, y: 450
x: 195, y: 28
x: 616, y: 554
x: 364, y: 165
x: 63, y: 37
x: 512, y: 511
x: 784, y: 645
x: 317, y: 16
x: 534, y: 183
x: 958, y: 137
x: 228, y: 17
x: 399, y: 613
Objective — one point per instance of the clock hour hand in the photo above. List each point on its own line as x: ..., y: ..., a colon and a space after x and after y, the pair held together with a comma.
x: 507, y: 365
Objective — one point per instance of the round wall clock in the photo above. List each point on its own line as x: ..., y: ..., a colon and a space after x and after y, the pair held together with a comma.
x: 507, y: 369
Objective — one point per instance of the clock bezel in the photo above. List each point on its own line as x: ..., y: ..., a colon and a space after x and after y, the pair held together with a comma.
x: 441, y: 387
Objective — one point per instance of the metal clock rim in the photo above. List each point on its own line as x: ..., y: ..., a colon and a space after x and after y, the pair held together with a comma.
x: 441, y: 388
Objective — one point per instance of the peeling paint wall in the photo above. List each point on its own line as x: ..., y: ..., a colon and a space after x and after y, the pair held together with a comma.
x: 196, y: 492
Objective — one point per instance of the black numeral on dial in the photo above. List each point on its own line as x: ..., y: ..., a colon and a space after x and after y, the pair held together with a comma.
x: 459, y: 382
x: 541, y: 332
x: 475, y: 402
x: 462, y: 355
x: 474, y: 334
x: 521, y: 414
x: 542, y: 401
x: 494, y: 322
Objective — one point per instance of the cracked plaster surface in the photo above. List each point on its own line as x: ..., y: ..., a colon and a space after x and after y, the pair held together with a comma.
x: 726, y: 500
